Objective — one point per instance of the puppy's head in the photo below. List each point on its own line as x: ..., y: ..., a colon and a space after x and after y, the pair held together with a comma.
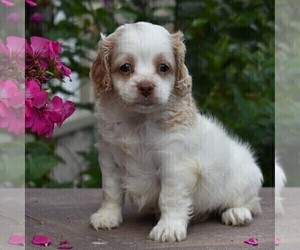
x: 143, y: 64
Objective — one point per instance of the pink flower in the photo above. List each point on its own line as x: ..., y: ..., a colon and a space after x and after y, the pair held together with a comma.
x: 13, y: 17
x: 40, y: 114
x: 36, y: 17
x: 39, y: 47
x: 15, y: 51
x: 36, y: 116
x: 11, y: 107
x: 32, y: 3
x: 42, y: 57
x: 43, y: 63
x: 7, y: 3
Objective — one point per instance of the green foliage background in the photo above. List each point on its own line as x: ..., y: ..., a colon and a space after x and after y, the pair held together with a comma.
x: 288, y: 88
x: 230, y: 54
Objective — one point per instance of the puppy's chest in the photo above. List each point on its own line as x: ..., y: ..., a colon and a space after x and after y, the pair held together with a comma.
x: 134, y: 146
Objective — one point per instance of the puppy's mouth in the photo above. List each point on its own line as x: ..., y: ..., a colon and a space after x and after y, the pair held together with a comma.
x: 145, y: 102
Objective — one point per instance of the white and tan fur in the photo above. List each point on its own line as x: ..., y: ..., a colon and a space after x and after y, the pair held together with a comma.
x: 159, y: 149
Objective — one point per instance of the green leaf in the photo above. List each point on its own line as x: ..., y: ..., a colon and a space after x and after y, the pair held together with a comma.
x: 39, y: 166
x: 39, y: 147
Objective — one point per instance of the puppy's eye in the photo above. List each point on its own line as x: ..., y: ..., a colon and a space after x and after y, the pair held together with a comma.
x: 126, y: 68
x: 163, y: 68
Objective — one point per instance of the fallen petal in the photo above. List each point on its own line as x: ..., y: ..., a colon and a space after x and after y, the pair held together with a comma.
x: 7, y: 3
x: 40, y: 239
x: 65, y: 245
x: 17, y: 240
x: 252, y: 241
x: 277, y: 242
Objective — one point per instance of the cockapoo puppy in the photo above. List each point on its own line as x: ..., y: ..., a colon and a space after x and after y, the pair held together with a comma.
x: 156, y: 147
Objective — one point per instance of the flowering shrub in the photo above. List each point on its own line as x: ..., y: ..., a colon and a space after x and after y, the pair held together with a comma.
x: 11, y: 91
x: 43, y: 64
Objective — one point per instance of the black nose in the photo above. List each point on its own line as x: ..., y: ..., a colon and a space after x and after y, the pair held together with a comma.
x: 145, y: 88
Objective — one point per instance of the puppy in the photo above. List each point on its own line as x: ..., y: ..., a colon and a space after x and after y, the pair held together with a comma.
x: 155, y: 146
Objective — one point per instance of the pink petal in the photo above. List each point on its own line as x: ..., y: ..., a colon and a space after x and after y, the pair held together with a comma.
x: 16, y: 46
x: 18, y: 100
x: 3, y: 48
x: 33, y: 88
x: 36, y: 17
x: 4, y: 110
x: 17, y: 240
x: 277, y: 242
x: 7, y: 3
x: 54, y: 49
x: 54, y: 109
x: 13, y: 17
x: 32, y: 3
x: 65, y: 245
x: 40, y: 99
x: 8, y: 89
x: 40, y: 239
x: 67, y: 110
x: 66, y: 71
x: 42, y: 125
x: 40, y: 46
x: 15, y: 121
x: 28, y: 49
x: 56, y: 104
x: 252, y: 241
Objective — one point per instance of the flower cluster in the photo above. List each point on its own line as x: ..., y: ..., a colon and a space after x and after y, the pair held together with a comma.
x: 43, y: 62
x: 42, y: 65
x: 11, y: 107
x: 42, y: 111
x: 12, y: 58
x: 40, y: 59
x: 11, y: 92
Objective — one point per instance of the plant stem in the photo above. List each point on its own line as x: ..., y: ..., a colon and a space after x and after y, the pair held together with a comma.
x: 34, y: 218
x: 18, y: 222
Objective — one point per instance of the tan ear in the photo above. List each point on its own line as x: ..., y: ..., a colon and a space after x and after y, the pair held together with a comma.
x: 183, y: 83
x: 100, y: 72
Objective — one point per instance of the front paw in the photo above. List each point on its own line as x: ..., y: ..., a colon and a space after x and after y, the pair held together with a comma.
x: 106, y: 219
x: 168, y: 231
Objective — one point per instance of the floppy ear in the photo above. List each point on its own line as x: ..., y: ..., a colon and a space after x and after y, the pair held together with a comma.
x: 100, y: 72
x: 183, y: 83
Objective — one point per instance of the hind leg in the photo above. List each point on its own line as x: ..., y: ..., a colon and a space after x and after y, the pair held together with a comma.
x: 237, y: 216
